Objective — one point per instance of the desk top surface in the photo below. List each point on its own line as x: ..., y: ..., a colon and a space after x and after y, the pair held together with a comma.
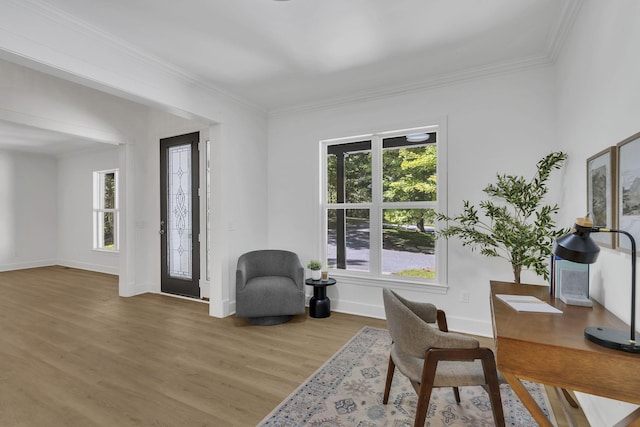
x: 565, y: 330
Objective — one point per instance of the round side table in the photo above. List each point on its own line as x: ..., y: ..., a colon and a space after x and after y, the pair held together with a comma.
x: 320, y: 304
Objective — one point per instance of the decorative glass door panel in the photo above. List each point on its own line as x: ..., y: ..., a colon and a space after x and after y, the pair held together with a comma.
x: 179, y: 225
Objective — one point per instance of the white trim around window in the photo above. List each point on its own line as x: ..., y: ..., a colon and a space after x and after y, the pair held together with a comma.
x: 106, y: 211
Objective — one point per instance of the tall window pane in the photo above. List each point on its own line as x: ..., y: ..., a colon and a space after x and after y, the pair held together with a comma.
x: 110, y: 190
x: 108, y: 231
x: 348, y: 239
x: 408, y: 171
x: 208, y: 163
x: 408, y: 243
x: 349, y: 173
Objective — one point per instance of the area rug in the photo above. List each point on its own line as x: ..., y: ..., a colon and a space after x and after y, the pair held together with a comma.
x: 347, y: 392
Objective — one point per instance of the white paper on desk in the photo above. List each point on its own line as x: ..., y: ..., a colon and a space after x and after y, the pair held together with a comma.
x: 527, y: 303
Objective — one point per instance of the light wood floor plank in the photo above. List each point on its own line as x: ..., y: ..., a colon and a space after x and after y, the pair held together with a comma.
x: 74, y: 353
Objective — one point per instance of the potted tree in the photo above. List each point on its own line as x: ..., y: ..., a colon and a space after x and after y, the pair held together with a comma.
x: 517, y: 226
x: 315, y: 266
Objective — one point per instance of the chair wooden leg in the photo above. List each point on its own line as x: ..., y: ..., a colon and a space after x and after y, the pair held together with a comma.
x: 387, y: 387
x: 491, y: 376
x: 426, y: 386
x: 456, y: 392
x: 424, y: 396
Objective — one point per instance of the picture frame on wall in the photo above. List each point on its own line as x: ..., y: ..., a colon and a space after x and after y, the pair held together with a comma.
x: 628, y: 190
x: 601, y: 194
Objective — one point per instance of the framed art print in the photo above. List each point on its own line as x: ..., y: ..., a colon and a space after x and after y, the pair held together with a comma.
x: 601, y: 194
x: 629, y: 190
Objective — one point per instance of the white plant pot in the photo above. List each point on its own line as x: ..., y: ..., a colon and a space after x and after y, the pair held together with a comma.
x: 316, y: 274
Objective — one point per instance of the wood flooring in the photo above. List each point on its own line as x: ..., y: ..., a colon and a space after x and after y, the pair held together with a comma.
x: 74, y: 353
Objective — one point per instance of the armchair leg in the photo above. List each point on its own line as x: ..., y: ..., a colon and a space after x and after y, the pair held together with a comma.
x: 456, y: 392
x: 424, y: 396
x: 426, y: 386
x: 491, y: 376
x: 387, y: 386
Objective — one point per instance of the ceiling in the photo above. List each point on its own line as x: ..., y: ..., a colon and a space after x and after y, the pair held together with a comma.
x: 279, y: 55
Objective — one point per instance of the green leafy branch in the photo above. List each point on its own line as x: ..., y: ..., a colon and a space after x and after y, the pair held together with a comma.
x: 520, y: 228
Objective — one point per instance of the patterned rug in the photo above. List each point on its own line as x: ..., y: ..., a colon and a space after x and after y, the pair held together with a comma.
x: 347, y: 392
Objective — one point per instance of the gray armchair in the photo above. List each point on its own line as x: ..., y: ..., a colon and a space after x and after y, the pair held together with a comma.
x: 269, y: 286
x: 432, y: 357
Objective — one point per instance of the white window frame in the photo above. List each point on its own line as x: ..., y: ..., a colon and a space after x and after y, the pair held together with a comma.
x: 98, y: 209
x: 375, y: 277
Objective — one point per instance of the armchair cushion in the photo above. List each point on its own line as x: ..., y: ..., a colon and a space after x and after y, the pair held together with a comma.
x: 448, y: 373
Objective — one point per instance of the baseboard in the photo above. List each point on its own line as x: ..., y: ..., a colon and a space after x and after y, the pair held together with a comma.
x: 90, y: 267
x: 28, y: 264
x: 455, y: 323
x: 222, y: 309
x: 465, y: 325
x: 141, y: 288
x: 357, y: 308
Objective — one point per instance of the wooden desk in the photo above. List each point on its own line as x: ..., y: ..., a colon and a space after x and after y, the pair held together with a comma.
x: 551, y: 349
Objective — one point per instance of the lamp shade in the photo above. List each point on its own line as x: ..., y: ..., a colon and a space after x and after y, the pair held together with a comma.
x: 577, y: 246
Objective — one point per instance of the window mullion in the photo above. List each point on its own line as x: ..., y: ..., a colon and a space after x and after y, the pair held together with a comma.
x: 375, y: 214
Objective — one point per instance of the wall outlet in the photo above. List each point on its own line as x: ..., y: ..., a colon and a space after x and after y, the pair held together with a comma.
x: 464, y: 297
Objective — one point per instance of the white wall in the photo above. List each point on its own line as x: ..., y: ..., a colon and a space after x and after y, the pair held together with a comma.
x: 75, y: 214
x: 598, y: 106
x: 239, y: 196
x: 28, y: 210
x: 239, y: 171
x: 499, y: 124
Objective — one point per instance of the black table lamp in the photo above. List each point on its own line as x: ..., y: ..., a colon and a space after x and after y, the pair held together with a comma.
x: 577, y: 246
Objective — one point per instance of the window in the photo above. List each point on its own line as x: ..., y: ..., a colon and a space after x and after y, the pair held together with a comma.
x: 105, y: 210
x: 380, y: 195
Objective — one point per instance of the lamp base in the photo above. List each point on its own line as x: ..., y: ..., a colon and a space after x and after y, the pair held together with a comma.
x: 611, y: 338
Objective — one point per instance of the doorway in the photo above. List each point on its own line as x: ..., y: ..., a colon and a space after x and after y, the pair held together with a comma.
x: 179, y: 215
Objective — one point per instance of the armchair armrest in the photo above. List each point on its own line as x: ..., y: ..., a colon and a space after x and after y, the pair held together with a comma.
x: 484, y: 354
x: 435, y: 355
x: 241, y: 276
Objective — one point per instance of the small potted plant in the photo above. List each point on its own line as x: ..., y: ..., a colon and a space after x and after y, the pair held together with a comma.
x: 315, y: 266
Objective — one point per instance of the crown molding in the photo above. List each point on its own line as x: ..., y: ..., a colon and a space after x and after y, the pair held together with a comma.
x: 564, y: 24
x: 552, y: 51
x: 61, y: 18
x: 442, y: 80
